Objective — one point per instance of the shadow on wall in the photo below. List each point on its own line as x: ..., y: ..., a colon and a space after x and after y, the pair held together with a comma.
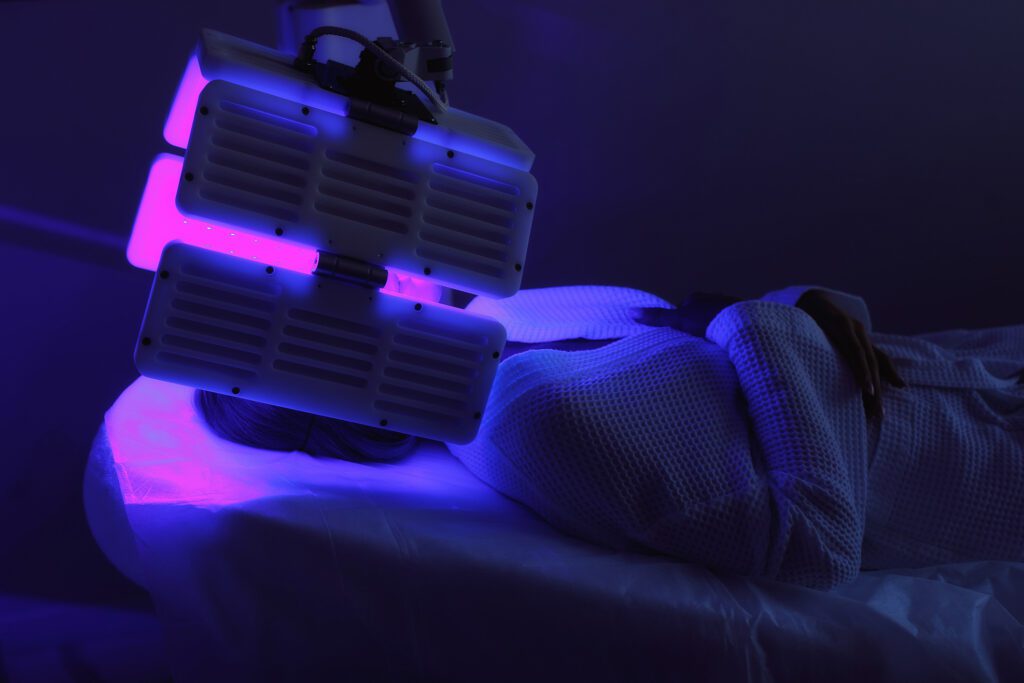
x: 81, y: 124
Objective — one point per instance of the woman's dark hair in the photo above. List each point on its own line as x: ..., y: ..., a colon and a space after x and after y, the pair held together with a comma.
x: 280, y: 429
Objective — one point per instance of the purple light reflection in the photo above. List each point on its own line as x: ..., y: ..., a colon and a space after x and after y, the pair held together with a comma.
x: 178, y: 126
x: 158, y: 222
x: 165, y: 455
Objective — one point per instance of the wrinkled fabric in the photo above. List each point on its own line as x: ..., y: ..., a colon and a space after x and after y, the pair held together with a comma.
x: 749, y: 452
x: 268, y: 566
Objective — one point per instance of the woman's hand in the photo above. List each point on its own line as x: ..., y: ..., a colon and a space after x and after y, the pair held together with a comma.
x: 692, y: 316
x: 869, y: 364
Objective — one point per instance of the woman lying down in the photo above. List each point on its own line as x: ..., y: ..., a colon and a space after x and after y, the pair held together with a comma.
x: 750, y: 437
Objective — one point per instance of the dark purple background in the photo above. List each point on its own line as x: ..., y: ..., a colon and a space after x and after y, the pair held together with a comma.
x: 727, y: 145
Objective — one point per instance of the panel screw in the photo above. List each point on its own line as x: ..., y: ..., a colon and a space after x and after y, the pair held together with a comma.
x: 270, y: 270
x: 189, y: 177
x: 146, y: 341
x: 305, y: 111
x: 496, y: 355
x: 419, y: 307
x: 235, y: 390
x: 204, y: 110
x: 383, y: 423
x: 529, y: 205
x: 519, y: 267
x: 426, y: 271
x: 476, y: 415
x: 451, y: 154
x: 164, y: 274
x: 279, y: 231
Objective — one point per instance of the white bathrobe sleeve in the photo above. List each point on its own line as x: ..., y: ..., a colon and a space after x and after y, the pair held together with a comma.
x: 808, y: 424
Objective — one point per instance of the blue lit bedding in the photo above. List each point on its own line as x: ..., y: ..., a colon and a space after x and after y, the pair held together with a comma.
x: 267, y: 565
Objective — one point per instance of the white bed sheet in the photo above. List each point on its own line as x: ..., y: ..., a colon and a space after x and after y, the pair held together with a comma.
x: 280, y: 566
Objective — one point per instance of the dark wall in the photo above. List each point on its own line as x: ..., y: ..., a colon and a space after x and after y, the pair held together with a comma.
x: 727, y: 145
x: 735, y: 145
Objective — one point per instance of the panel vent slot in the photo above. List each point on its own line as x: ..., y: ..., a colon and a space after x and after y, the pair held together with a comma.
x: 465, y: 226
x: 477, y: 180
x: 312, y: 372
x: 359, y: 215
x: 225, y: 297
x: 252, y: 184
x: 325, y: 357
x: 248, y: 203
x: 220, y: 314
x: 422, y: 379
x: 465, y: 245
x: 420, y: 363
x: 268, y: 118
x: 199, y: 364
x: 411, y: 411
x: 215, y: 332
x: 330, y: 340
x: 467, y: 262
x: 370, y: 166
x: 210, y: 349
x: 233, y: 280
x: 406, y: 394
x: 359, y: 196
x: 460, y: 207
x: 267, y: 128
x: 366, y: 181
x: 478, y: 342
x: 242, y: 146
x: 257, y: 168
x: 440, y: 348
x: 333, y: 323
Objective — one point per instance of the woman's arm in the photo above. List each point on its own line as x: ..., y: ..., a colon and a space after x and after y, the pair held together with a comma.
x: 806, y: 417
x: 842, y: 317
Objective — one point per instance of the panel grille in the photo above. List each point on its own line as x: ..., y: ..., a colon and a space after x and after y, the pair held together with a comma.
x: 366, y: 191
x: 257, y: 160
x: 430, y: 371
x: 272, y: 164
x: 468, y: 221
x: 208, y: 315
x: 225, y: 324
x: 343, y: 355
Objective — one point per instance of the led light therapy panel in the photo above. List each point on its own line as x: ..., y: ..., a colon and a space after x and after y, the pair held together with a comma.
x: 283, y: 168
x: 223, y: 57
x: 272, y: 236
x: 318, y: 345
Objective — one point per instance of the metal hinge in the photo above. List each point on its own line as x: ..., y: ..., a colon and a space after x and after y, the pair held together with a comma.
x: 350, y: 270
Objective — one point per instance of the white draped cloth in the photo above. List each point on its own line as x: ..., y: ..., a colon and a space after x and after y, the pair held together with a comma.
x: 749, y: 451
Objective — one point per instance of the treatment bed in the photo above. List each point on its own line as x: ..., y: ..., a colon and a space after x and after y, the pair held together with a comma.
x: 281, y: 566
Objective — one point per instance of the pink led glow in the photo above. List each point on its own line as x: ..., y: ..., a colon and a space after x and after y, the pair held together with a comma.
x: 164, y: 454
x: 179, y: 120
x: 159, y: 222
x: 410, y: 287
